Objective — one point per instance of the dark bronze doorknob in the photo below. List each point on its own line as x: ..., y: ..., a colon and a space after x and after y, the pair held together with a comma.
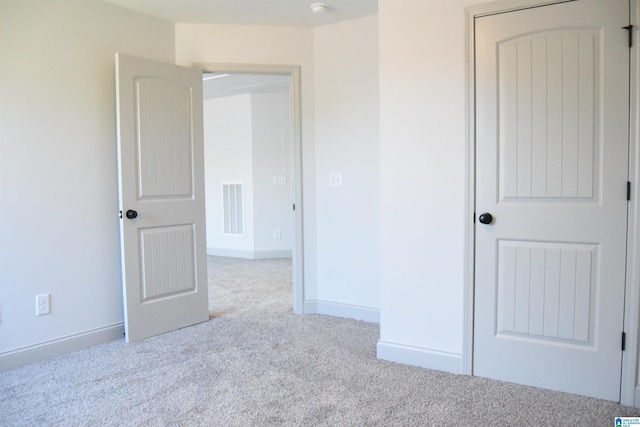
x: 131, y: 214
x: 486, y: 218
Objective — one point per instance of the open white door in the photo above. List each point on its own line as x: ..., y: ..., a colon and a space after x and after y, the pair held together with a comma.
x: 552, y: 91
x: 161, y: 174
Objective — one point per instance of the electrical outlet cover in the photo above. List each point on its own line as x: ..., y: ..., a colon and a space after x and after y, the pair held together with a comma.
x: 43, y: 304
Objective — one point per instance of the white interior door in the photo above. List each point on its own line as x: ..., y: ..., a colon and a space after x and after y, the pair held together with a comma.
x: 552, y: 90
x: 161, y: 173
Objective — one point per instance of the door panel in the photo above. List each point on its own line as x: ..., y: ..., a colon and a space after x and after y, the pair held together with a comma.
x: 544, y: 290
x: 167, y: 261
x: 160, y: 151
x: 553, y: 134
x: 165, y: 140
x: 552, y: 90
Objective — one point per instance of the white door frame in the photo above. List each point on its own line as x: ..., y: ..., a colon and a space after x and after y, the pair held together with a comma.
x: 630, y: 392
x: 293, y: 72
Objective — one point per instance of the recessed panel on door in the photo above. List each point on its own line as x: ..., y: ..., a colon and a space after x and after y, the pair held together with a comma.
x: 164, y: 139
x: 545, y: 291
x: 168, y: 261
x: 549, y: 120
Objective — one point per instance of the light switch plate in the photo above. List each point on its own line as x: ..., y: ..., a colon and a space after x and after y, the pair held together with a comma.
x: 335, y: 179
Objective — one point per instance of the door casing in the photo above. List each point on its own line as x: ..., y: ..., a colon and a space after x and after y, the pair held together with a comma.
x: 628, y: 395
x: 293, y: 71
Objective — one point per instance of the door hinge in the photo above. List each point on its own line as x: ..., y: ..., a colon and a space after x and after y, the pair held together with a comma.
x: 120, y: 214
x: 474, y: 217
x: 628, y: 190
x: 629, y: 28
x: 624, y: 339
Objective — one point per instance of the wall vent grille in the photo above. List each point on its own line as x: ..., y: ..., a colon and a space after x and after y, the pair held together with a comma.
x: 233, y: 206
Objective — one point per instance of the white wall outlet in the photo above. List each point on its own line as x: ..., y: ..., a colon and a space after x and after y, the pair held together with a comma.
x: 335, y: 179
x: 276, y: 233
x: 280, y: 180
x: 43, y: 304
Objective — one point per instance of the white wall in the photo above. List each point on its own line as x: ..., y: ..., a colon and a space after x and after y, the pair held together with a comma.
x: 271, y: 125
x: 347, y: 141
x: 247, y: 139
x: 245, y: 44
x: 228, y: 158
x: 422, y: 178
x: 58, y: 171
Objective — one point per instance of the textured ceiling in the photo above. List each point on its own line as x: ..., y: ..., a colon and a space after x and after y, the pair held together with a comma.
x: 291, y: 13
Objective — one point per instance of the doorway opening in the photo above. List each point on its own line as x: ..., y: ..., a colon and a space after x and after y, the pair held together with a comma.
x: 252, y: 175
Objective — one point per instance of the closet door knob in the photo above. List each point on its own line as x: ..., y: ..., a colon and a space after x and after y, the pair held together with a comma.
x: 486, y: 218
x: 131, y: 214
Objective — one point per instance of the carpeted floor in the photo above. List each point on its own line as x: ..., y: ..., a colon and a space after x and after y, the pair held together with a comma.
x: 256, y: 364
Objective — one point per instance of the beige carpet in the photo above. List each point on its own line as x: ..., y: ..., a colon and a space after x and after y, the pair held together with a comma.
x: 257, y: 364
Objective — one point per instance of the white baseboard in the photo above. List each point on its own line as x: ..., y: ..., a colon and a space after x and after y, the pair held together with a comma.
x: 336, y: 309
x: 241, y: 253
x: 422, y: 357
x: 36, y: 353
